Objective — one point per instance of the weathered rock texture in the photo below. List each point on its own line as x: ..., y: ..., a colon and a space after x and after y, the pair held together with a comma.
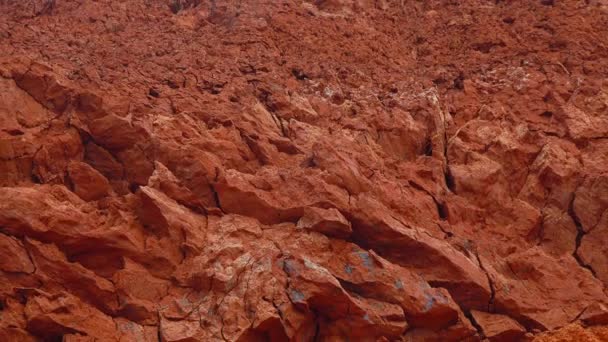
x: 363, y: 170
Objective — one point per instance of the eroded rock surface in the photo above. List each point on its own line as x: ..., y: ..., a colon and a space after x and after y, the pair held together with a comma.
x: 363, y: 170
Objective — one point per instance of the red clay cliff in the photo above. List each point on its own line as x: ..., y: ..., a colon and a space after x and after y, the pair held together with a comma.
x: 329, y: 170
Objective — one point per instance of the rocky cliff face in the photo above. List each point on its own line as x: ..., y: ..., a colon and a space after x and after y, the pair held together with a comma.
x: 336, y: 170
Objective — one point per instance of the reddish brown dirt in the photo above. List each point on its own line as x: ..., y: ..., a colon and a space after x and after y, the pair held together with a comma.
x: 330, y: 170
x: 574, y: 332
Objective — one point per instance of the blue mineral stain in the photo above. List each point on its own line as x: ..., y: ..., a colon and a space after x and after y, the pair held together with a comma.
x: 429, y: 302
x: 399, y: 284
x: 442, y: 298
x: 289, y: 267
x: 424, y: 285
x: 348, y: 269
x: 296, y: 296
x: 367, y: 260
x: 366, y: 317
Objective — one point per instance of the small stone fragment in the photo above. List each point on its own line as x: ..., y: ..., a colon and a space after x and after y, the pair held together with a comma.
x: 88, y: 183
x: 595, y: 314
x: 326, y: 221
x: 498, y: 328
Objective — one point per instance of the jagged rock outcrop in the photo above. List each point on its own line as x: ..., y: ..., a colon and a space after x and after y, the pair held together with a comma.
x: 363, y: 170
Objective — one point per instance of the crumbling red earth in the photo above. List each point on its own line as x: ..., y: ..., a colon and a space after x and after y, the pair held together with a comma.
x: 330, y: 170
